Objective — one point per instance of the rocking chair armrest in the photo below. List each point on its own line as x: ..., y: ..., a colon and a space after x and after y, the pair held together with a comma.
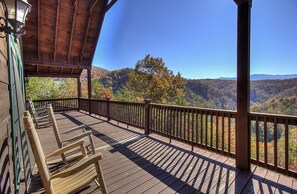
x: 62, y: 150
x: 80, y: 165
x: 73, y: 129
x: 77, y: 137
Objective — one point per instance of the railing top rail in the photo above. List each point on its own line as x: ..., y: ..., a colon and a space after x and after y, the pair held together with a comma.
x: 55, y: 99
x: 196, y: 108
x: 269, y: 115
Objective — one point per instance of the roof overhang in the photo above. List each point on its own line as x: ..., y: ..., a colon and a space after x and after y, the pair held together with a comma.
x: 62, y: 36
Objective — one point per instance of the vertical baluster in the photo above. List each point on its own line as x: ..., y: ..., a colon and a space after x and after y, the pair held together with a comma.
x: 223, y: 132
x: 217, y: 131
x: 286, y: 146
x: 275, y: 142
x: 189, y: 126
x: 180, y: 123
x: 229, y: 133
x: 170, y: 123
x: 206, y: 128
x: 257, y: 139
x: 159, y: 120
x: 185, y: 120
x: 265, y: 140
x: 201, y: 128
x: 192, y: 129
x: 211, y: 129
x: 197, y: 131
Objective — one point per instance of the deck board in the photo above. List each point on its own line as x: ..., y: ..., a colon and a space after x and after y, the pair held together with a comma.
x: 135, y: 163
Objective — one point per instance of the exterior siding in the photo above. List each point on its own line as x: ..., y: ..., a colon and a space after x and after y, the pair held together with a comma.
x: 6, y: 165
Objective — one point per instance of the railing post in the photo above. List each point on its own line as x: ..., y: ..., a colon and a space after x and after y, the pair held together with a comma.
x: 107, y: 108
x: 78, y: 92
x: 89, y: 88
x: 147, y: 116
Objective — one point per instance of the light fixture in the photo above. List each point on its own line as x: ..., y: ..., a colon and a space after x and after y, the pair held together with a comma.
x: 16, y: 13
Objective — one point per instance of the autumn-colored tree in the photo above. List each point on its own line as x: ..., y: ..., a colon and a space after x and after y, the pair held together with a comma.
x: 152, y: 79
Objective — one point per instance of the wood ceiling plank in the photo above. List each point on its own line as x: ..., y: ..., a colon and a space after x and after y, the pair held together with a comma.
x: 91, y: 7
x: 72, y: 28
x: 57, y: 28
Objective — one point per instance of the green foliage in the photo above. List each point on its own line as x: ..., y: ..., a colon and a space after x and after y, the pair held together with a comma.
x: 42, y: 88
x: 286, y: 105
x: 125, y: 95
x: 97, y: 89
x: 151, y: 79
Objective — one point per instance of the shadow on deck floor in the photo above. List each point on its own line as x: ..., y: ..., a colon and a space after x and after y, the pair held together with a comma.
x: 135, y: 163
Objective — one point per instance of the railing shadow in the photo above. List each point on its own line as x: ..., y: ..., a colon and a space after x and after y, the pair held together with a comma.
x: 176, y: 169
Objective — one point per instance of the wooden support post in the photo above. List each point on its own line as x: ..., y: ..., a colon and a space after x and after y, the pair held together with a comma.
x: 107, y: 108
x: 243, y: 159
x: 147, y: 116
x: 78, y: 91
x: 89, y: 89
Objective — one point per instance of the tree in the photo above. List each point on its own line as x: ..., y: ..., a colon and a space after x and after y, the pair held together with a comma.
x: 153, y: 80
x: 42, y: 88
x: 97, y: 89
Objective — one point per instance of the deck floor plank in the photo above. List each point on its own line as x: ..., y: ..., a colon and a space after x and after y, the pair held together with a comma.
x: 135, y: 163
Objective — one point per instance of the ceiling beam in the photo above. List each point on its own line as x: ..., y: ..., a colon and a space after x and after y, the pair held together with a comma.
x: 57, y: 27
x: 36, y: 63
x: 109, y: 5
x: 32, y: 74
x: 72, y: 28
x: 90, y: 11
x: 38, y: 28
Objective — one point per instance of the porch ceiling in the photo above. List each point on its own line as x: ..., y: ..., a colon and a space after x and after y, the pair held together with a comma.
x: 62, y: 36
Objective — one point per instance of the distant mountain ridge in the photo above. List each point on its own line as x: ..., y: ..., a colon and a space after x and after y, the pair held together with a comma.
x: 256, y: 77
x: 270, y: 90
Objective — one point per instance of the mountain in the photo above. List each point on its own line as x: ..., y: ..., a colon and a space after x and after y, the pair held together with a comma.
x: 267, y: 95
x: 255, y: 77
x: 115, y: 79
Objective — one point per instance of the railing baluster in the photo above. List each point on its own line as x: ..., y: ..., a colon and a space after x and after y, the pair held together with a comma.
x: 265, y: 141
x: 257, y: 139
x: 206, y: 128
x: 286, y: 146
x: 217, y: 131
x: 275, y: 143
x: 196, y: 130
x: 223, y: 132
x: 211, y: 130
x: 229, y: 134
x: 201, y: 132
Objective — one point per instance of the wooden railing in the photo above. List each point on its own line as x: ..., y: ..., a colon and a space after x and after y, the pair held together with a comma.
x: 274, y: 142
x: 273, y: 137
x: 62, y: 104
x: 207, y: 128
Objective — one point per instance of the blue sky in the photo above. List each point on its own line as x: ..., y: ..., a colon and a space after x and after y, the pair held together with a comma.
x: 198, y: 37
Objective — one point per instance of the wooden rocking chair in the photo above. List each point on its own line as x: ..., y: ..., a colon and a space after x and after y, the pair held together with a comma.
x: 69, y: 180
x: 39, y: 114
x: 86, y: 136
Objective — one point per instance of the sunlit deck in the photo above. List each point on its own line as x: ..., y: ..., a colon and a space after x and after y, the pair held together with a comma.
x: 135, y: 163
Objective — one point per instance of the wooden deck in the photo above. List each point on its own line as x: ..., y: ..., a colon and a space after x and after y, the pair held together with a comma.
x: 135, y: 163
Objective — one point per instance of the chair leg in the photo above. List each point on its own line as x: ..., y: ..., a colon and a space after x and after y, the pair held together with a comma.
x: 100, y: 178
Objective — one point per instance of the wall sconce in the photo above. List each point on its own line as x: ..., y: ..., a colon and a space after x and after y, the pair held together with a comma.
x: 16, y: 13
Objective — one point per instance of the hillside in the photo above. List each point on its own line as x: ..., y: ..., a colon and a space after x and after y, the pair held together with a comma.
x: 218, y: 93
